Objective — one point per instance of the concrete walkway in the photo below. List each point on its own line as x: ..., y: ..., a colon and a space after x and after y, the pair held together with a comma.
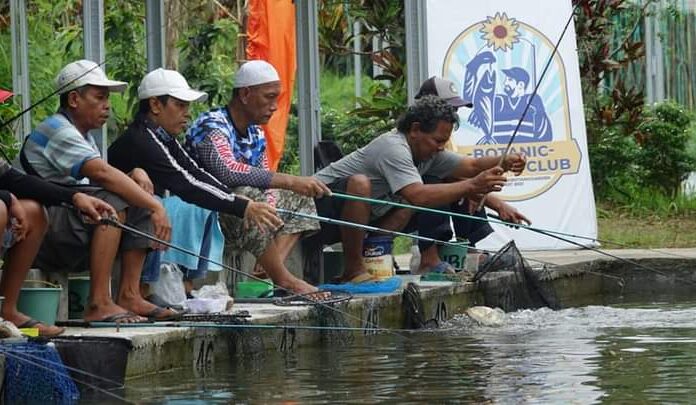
x: 167, y: 346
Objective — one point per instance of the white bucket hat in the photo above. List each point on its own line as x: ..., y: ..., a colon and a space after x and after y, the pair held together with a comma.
x: 85, y: 72
x: 254, y: 73
x: 164, y: 82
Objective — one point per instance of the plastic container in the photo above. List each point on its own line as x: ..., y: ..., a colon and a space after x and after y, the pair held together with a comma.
x: 40, y: 303
x: 252, y: 289
x: 377, y: 256
x: 454, y: 255
x: 78, y: 296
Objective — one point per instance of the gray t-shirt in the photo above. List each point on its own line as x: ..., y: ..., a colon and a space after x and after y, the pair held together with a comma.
x: 388, y: 163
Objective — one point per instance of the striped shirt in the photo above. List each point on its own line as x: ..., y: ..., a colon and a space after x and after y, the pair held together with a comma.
x: 56, y: 150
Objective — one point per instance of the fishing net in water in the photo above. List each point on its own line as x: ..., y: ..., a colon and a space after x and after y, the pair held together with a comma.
x: 333, y: 321
x: 414, y: 311
x: 510, y: 283
x: 34, y: 373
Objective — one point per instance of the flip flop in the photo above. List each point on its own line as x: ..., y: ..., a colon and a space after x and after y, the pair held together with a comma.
x: 120, y: 317
x: 154, y: 315
x: 33, y: 323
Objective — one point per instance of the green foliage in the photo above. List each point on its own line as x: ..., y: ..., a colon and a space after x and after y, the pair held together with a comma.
x: 124, y: 37
x: 8, y: 142
x: 665, y: 135
x: 207, y: 59
x: 614, y: 161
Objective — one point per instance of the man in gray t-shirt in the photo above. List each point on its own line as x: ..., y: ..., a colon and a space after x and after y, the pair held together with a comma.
x: 392, y: 167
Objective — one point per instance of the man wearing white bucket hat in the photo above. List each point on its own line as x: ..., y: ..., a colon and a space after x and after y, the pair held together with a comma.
x: 61, y: 150
x: 150, y: 143
x: 230, y: 144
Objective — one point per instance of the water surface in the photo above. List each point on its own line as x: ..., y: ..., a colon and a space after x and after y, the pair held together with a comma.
x: 620, y: 353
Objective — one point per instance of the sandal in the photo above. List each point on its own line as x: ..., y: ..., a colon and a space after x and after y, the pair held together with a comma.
x: 43, y: 329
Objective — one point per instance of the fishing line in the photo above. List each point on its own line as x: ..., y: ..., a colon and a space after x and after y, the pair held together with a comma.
x: 534, y: 93
x: 209, y: 325
x: 116, y: 223
x: 370, y: 228
x: 480, y: 219
x: 552, y: 234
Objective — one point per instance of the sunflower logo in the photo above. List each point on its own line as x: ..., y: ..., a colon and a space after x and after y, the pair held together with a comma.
x: 500, y: 32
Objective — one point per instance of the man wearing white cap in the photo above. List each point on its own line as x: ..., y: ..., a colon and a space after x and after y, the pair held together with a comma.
x: 229, y: 143
x: 150, y: 143
x: 61, y: 150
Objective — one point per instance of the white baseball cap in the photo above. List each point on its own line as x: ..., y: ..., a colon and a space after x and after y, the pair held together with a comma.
x: 254, y: 73
x: 164, y: 82
x: 85, y: 72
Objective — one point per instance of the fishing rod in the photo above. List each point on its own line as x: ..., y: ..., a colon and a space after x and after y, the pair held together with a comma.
x: 376, y: 229
x: 552, y: 234
x: 114, y: 222
x: 593, y: 249
x: 21, y: 357
x: 370, y: 228
x: 534, y: 93
x: 480, y: 219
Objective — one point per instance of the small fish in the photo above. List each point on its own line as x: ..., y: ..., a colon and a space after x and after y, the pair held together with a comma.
x: 486, y: 316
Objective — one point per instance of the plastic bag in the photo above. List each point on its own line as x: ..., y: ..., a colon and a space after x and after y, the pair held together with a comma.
x: 210, y: 299
x: 169, y: 289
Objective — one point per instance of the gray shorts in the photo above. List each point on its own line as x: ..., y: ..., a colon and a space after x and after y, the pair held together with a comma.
x: 66, y: 246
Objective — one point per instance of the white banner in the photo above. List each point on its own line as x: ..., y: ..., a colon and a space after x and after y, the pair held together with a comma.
x: 495, y: 51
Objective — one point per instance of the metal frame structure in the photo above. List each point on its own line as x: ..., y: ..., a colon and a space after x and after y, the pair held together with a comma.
x: 308, y: 105
x: 93, y: 39
x: 20, y: 63
x: 154, y: 31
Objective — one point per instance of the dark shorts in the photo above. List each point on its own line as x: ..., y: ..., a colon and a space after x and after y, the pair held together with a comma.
x: 331, y: 207
x: 66, y: 246
x: 430, y: 225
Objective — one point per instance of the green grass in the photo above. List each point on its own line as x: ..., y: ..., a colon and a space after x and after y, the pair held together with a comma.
x: 338, y: 92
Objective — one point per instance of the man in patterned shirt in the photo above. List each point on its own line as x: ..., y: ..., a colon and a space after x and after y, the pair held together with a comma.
x: 61, y: 150
x: 229, y: 143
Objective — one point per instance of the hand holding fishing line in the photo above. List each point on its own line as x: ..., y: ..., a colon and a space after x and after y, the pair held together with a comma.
x: 263, y: 216
x: 514, y: 162
x: 92, y: 209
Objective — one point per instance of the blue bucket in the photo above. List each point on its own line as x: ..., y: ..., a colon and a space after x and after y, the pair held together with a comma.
x: 377, y: 256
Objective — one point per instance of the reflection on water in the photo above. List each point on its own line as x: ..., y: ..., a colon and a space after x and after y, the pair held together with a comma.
x: 639, y: 353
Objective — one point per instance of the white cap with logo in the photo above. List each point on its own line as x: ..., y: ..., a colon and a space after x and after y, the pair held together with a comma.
x: 254, y: 73
x: 164, y: 82
x: 85, y: 72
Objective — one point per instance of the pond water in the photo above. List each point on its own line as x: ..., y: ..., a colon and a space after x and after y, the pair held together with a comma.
x: 629, y: 353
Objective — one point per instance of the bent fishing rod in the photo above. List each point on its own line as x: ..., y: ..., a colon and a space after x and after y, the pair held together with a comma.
x: 534, y: 93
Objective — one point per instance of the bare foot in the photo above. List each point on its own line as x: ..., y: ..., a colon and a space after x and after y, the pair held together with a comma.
x: 109, y: 312
x: 22, y: 321
x: 301, y: 287
x: 141, y: 306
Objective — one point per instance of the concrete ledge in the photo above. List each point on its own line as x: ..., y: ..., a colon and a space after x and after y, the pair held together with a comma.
x: 579, y: 278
